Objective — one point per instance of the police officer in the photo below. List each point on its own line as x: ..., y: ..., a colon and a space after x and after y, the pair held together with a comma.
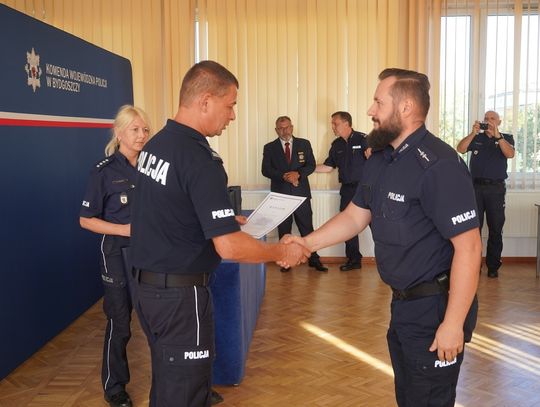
x: 106, y: 210
x: 488, y: 164
x: 182, y: 225
x: 348, y: 152
x: 419, y: 198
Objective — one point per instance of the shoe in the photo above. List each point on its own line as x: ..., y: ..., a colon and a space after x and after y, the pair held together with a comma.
x: 215, y: 397
x: 493, y: 273
x: 351, y: 265
x: 120, y: 399
x: 318, y: 266
x: 285, y: 269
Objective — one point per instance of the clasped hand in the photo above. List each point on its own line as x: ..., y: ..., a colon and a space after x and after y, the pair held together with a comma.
x: 295, y: 251
x: 292, y: 177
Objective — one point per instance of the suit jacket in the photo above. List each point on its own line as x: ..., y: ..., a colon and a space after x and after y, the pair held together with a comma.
x: 274, y: 165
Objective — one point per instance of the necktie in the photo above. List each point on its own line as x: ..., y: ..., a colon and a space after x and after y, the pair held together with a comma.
x: 288, y: 152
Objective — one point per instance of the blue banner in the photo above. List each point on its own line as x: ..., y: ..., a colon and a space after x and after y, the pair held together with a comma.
x: 50, y: 72
x: 58, y: 98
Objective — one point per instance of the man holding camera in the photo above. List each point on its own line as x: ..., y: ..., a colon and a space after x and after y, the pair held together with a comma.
x: 490, y: 150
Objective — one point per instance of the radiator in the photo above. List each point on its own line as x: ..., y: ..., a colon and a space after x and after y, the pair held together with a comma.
x: 519, y: 230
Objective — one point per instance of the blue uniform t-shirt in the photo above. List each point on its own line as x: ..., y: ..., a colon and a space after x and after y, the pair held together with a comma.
x: 420, y: 195
x: 348, y: 156
x: 181, y: 203
x: 487, y: 160
x: 110, y: 189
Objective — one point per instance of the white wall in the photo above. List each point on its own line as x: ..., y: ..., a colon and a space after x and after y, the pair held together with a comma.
x: 519, y: 231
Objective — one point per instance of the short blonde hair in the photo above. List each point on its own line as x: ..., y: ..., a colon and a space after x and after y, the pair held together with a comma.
x: 124, y: 117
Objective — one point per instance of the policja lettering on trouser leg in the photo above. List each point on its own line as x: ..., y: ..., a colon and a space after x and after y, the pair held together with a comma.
x: 421, y: 379
x: 178, y: 322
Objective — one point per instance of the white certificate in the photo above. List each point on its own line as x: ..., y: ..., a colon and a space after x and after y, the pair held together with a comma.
x: 273, y: 210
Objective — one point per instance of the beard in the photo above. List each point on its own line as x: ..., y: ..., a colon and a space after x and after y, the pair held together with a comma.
x: 385, y: 134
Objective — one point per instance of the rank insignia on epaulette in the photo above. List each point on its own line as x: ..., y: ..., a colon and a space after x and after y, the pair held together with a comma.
x: 425, y: 156
x: 103, y: 162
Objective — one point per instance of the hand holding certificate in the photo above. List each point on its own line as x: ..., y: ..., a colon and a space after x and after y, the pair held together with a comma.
x: 273, y: 210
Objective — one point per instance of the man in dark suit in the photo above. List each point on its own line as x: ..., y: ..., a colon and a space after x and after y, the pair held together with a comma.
x: 288, y: 161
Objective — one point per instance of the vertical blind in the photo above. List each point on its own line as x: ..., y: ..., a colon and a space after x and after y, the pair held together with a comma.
x: 490, y: 61
x: 307, y: 59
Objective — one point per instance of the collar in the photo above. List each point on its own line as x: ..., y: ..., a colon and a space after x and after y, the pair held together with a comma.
x: 412, y: 140
x: 350, y: 136
x: 283, y: 142
x: 176, y: 127
x: 121, y: 158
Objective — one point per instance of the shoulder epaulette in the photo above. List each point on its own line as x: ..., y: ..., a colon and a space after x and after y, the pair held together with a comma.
x: 426, y: 158
x: 214, y: 154
x: 104, y: 162
x: 364, y: 135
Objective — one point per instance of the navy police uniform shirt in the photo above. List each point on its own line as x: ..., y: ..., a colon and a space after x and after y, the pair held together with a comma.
x: 181, y: 203
x: 348, y: 156
x: 110, y: 190
x: 420, y: 195
x: 487, y: 160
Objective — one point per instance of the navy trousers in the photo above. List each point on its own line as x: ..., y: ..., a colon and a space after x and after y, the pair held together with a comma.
x: 352, y: 246
x: 421, y: 380
x: 179, y: 325
x: 117, y: 307
x: 490, y: 200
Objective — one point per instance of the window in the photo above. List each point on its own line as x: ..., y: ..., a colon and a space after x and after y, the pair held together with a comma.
x: 490, y: 61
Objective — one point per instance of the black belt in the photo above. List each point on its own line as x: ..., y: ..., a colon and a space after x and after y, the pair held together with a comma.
x: 170, y: 280
x: 488, y: 181
x: 441, y: 284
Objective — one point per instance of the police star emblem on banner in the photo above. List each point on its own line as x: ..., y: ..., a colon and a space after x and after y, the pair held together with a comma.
x: 33, y: 70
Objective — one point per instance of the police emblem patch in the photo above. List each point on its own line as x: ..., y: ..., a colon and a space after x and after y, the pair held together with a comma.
x: 123, y: 198
x: 33, y: 71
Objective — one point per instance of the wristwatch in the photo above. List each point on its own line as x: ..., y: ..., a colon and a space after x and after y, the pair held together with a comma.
x: 498, y: 138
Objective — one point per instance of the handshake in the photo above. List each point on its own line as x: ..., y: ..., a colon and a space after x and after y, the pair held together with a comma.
x: 294, y: 251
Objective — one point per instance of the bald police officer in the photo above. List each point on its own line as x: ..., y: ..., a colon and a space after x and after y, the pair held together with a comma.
x: 182, y: 225
x: 490, y: 151
x: 418, y: 196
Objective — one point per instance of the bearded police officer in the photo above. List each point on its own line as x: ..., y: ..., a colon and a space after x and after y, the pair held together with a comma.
x: 418, y: 196
x: 182, y: 225
x: 490, y: 151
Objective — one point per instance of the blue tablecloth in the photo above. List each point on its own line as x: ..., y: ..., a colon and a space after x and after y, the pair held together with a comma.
x: 237, y: 290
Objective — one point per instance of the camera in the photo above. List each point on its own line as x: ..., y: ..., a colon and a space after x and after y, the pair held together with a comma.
x: 483, y: 126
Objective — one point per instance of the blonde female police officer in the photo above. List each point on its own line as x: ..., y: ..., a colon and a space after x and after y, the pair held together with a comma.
x: 106, y: 210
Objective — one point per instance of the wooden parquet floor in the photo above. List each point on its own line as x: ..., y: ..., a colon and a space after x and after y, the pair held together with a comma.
x: 320, y: 341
